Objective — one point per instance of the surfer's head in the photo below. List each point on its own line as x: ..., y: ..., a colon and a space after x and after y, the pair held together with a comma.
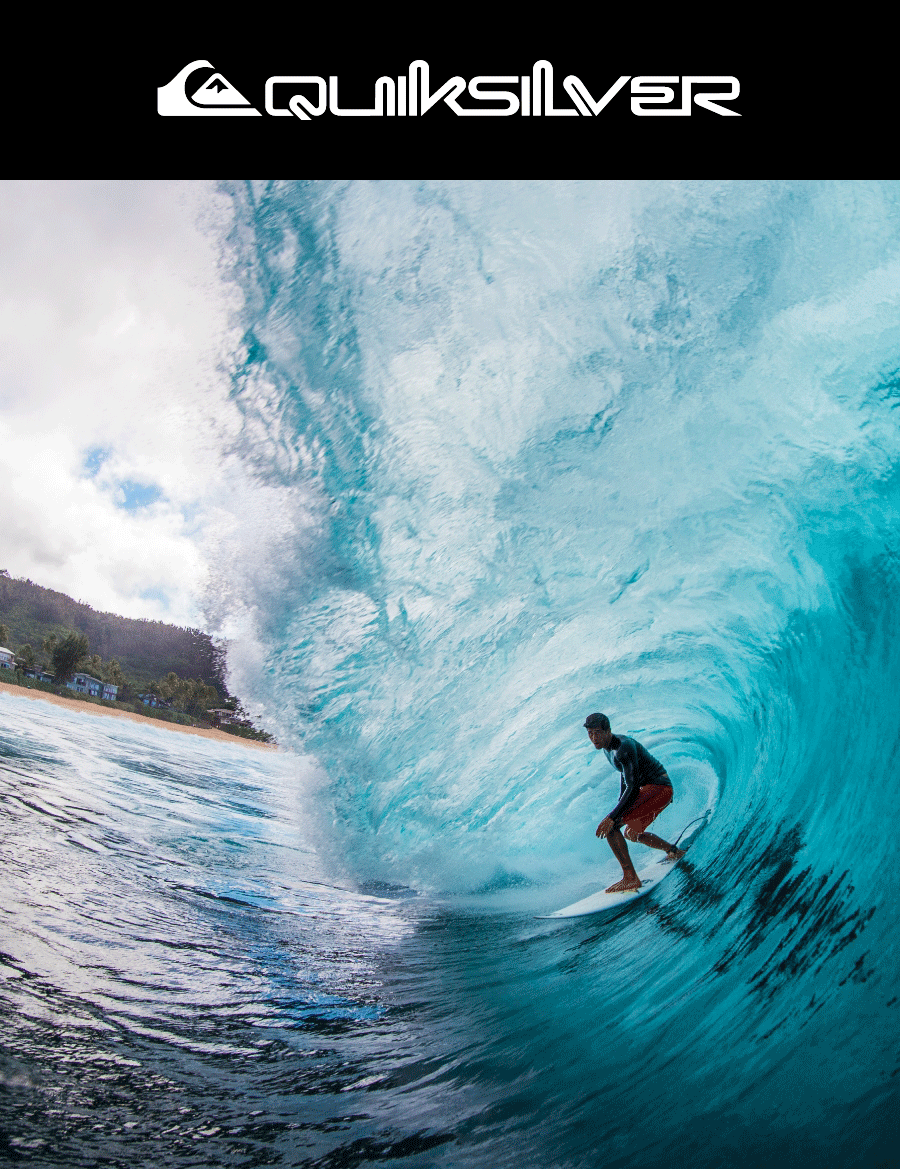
x: 598, y: 730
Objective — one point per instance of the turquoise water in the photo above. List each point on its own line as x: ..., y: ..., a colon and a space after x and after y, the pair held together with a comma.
x: 536, y: 450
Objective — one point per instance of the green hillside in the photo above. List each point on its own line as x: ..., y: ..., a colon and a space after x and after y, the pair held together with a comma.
x: 146, y: 650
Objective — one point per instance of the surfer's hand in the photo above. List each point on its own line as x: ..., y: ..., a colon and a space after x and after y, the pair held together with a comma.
x: 604, y: 827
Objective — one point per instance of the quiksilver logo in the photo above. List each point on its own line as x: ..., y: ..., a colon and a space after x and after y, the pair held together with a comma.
x: 215, y: 98
x: 530, y: 95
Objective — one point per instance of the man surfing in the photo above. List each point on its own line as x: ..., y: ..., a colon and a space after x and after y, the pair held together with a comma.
x: 645, y: 791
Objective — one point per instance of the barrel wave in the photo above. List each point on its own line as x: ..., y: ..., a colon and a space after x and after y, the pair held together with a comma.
x: 532, y: 450
x: 634, y: 448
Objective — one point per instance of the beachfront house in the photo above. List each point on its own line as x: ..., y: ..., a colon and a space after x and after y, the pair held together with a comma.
x: 152, y: 700
x: 7, y: 659
x: 220, y: 718
x: 85, y: 684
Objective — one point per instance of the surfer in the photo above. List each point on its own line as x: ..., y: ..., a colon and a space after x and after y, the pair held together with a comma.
x: 645, y: 790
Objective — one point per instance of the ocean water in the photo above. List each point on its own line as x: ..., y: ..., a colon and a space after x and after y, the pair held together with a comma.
x: 526, y: 451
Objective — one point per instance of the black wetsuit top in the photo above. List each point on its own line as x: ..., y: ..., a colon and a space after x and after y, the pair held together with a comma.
x: 637, y: 766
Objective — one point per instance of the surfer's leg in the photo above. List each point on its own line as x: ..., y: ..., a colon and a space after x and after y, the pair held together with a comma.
x: 653, y: 841
x: 630, y: 879
x: 653, y: 799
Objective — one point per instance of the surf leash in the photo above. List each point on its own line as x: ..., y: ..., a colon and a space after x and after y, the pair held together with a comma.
x: 685, y: 828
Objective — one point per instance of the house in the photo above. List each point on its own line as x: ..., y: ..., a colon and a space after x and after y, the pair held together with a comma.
x: 222, y: 717
x: 39, y: 673
x: 153, y: 700
x: 85, y: 684
x: 7, y: 659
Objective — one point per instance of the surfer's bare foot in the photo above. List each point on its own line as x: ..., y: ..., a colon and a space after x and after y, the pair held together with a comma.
x: 626, y: 885
x: 675, y: 854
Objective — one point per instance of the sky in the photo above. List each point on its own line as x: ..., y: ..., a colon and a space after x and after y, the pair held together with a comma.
x: 114, y: 410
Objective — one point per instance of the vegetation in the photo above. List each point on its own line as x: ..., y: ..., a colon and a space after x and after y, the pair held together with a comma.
x: 149, y: 656
x: 145, y: 650
x: 189, y: 695
x: 68, y: 655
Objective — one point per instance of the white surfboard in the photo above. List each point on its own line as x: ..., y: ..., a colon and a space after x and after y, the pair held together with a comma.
x: 600, y: 902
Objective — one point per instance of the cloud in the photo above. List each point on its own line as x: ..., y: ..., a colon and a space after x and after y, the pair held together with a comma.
x: 113, y: 412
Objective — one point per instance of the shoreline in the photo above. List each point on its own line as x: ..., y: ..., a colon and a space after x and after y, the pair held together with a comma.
x: 91, y: 708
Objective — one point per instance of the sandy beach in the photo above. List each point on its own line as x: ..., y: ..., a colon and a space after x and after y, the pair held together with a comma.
x: 104, y: 711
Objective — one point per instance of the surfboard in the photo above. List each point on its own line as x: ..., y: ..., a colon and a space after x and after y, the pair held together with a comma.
x: 602, y: 901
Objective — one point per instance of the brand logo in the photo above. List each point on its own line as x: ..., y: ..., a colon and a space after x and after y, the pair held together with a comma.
x: 216, y: 97
x: 531, y: 95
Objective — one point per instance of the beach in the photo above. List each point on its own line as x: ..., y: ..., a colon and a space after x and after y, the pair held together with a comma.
x: 104, y: 711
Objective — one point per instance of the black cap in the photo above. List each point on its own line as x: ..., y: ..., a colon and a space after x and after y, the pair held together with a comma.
x: 597, y: 720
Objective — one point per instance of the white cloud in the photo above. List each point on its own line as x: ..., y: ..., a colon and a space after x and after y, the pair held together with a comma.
x: 112, y: 325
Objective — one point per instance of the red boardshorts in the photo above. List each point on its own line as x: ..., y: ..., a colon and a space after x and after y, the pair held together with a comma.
x: 651, y: 800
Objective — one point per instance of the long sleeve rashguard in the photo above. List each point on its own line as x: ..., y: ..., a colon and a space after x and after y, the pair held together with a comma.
x: 637, y: 767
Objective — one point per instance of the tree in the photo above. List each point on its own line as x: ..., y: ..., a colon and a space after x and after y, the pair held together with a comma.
x: 48, y: 645
x: 4, y: 634
x: 192, y: 696
x: 67, y: 654
x: 112, y: 673
x: 25, y: 656
x: 200, y: 698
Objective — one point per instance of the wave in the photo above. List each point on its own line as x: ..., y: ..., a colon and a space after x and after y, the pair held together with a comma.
x: 553, y: 448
